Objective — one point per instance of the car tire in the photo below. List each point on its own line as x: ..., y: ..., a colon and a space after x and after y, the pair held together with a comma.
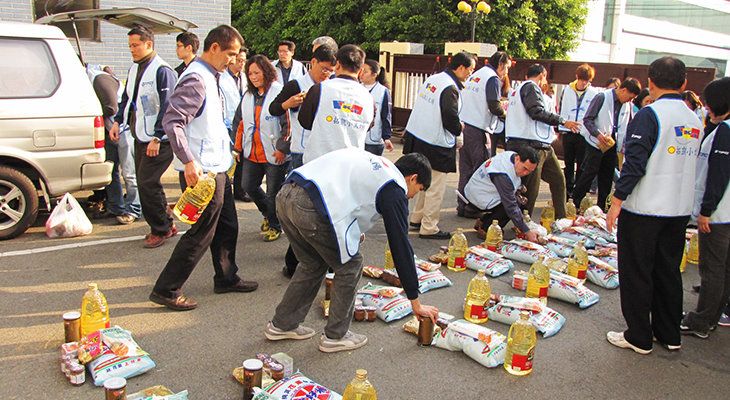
x: 18, y: 203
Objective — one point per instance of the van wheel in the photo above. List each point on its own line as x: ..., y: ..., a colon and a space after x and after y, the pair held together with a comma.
x: 18, y: 203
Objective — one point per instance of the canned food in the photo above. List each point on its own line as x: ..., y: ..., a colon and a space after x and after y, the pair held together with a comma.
x: 251, y: 377
x: 72, y: 326
x: 115, y: 389
x: 425, y: 331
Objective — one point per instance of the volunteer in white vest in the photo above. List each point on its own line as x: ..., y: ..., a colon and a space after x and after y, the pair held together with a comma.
x: 233, y: 84
x: 607, y: 117
x: 186, y: 49
x: 712, y: 211
x: 530, y: 123
x: 653, y: 202
x: 287, y: 68
x: 573, y: 104
x: 260, y: 145
x: 372, y: 76
x: 432, y: 130
x: 481, y: 113
x: 491, y: 191
x: 149, y: 83
x: 341, y: 195
x: 339, y: 111
x: 201, y: 143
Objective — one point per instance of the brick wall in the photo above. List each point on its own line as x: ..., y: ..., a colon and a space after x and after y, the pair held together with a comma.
x: 112, y: 50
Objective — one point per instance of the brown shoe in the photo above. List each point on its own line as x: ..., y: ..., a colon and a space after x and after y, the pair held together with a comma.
x: 242, y: 286
x: 152, y: 241
x: 179, y: 303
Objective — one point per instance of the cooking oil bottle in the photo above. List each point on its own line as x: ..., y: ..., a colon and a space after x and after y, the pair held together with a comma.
x: 538, y: 280
x: 570, y: 211
x: 232, y: 171
x: 477, y: 296
x: 585, y: 204
x: 494, y: 236
x: 526, y: 217
x: 193, y: 201
x: 578, y: 261
x: 547, y: 216
x: 458, y: 247
x: 521, y: 342
x: 94, y: 311
x: 693, y: 253
x: 388, y: 258
x: 360, y: 388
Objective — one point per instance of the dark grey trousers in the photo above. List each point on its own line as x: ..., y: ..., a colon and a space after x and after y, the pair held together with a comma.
x: 471, y: 156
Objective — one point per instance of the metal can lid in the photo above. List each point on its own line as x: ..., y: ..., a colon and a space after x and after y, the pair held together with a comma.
x: 71, y: 315
x: 276, y: 367
x: 115, y: 383
x: 253, y: 364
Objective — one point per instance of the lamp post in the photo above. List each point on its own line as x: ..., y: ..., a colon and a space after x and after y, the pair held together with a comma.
x: 472, y: 12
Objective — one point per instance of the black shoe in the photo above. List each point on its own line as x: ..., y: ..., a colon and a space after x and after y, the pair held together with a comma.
x: 287, y: 272
x: 438, y: 235
x: 696, y: 288
x: 414, y: 225
x: 241, y: 286
x: 247, y: 198
x: 179, y: 303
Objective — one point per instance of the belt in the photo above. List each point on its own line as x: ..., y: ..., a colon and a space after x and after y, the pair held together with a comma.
x: 532, y: 143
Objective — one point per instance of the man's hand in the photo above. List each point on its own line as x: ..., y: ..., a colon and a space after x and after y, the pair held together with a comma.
x: 279, y: 156
x: 613, y: 213
x: 153, y: 148
x: 574, y: 126
x: 294, y: 101
x: 703, y: 224
x: 424, y: 310
x: 114, y: 132
x: 531, y: 235
x: 192, y: 173
x: 388, y: 145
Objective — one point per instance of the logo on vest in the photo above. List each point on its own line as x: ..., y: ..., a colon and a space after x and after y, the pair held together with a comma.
x: 685, y: 134
x: 347, y: 107
x: 475, y: 79
x: 683, y: 151
x: 344, y: 122
x: 431, y: 88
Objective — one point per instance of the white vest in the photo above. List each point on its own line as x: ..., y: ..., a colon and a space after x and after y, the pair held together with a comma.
x: 343, y: 117
x: 605, y: 123
x: 569, y: 107
x: 207, y: 135
x: 425, y: 121
x: 299, y: 135
x: 722, y: 212
x: 375, y: 135
x: 270, y: 129
x: 480, y: 190
x: 297, y: 71
x: 231, y: 95
x: 519, y: 125
x: 475, y: 111
x: 349, y: 181
x: 665, y: 190
x: 148, y: 100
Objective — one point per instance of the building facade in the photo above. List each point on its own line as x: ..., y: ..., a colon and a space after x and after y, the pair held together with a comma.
x: 639, y: 31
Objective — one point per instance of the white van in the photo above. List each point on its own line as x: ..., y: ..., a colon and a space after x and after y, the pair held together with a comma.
x: 51, y: 129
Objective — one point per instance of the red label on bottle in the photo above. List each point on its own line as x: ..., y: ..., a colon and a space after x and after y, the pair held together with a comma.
x: 492, y: 248
x: 190, y: 212
x: 581, y: 274
x: 523, y: 362
x: 478, y: 312
x: 459, y: 262
x: 543, y: 292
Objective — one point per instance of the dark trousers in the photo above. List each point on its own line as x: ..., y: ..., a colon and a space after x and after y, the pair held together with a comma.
x: 497, y: 212
x: 548, y: 170
x: 290, y: 259
x: 596, y: 164
x: 573, y: 153
x: 217, y: 228
x: 238, y: 191
x: 714, y: 278
x: 471, y: 155
x: 496, y: 139
x: 376, y: 149
x: 649, y: 253
x: 252, y: 176
x: 151, y: 193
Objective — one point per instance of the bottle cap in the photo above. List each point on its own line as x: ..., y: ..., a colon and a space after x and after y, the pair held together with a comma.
x: 361, y: 373
x: 71, y: 315
x: 495, y: 222
x: 253, y: 364
x: 115, y: 383
x: 93, y: 286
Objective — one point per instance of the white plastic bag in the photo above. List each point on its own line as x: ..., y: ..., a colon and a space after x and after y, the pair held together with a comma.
x: 68, y: 219
x: 295, y: 387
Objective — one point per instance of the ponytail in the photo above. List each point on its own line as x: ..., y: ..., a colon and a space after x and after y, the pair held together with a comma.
x: 375, y: 66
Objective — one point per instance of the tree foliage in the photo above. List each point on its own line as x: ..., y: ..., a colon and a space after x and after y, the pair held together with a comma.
x: 525, y: 28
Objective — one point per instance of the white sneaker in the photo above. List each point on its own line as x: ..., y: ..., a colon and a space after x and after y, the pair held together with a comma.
x: 302, y: 332
x: 350, y: 341
x: 617, y: 339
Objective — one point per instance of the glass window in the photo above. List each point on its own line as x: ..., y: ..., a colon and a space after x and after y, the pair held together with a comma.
x: 88, y: 30
x: 608, y: 25
x: 27, y: 69
x: 647, y: 56
x: 680, y: 13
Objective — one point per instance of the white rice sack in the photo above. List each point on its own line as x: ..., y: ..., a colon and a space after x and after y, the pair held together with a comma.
x: 122, y: 359
x: 595, y: 233
x: 601, y: 273
x: 546, y: 320
x: 296, y: 387
x: 493, y: 264
x: 524, y: 251
x: 575, y: 237
x: 571, y: 290
x: 481, y: 344
x: 562, y: 224
x: 561, y: 250
x: 386, y: 308
x: 534, y: 226
x: 431, y: 280
x: 594, y: 212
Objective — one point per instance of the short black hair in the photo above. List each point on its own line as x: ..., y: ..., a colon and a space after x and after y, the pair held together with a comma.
x: 288, y: 43
x: 189, y: 39
x: 640, y: 97
x: 613, y: 81
x: 528, y: 153
x: 145, y: 33
x: 632, y: 85
x: 668, y: 73
x: 416, y: 163
x: 499, y: 58
x: 462, y: 59
x: 325, y: 53
x: 717, y: 95
x: 535, y: 70
x: 224, y: 35
x: 351, y: 57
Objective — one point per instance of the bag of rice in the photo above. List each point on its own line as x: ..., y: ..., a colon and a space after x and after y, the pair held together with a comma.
x: 572, y: 290
x: 595, y: 233
x: 523, y: 251
x: 601, y: 273
x: 295, y: 387
x: 562, y: 250
x: 431, y: 280
x: 123, y: 358
x: 158, y: 392
x: 546, y: 320
x: 386, y: 308
x: 481, y: 344
x: 575, y: 237
x: 493, y: 264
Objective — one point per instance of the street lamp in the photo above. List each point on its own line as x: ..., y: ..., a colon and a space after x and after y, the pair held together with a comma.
x: 479, y: 7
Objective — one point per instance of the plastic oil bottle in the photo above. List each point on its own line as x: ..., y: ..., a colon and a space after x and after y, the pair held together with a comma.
x: 585, y: 204
x: 521, y: 342
x: 494, y: 236
x: 360, y: 388
x: 388, y: 264
x: 570, y: 211
x: 477, y: 296
x: 538, y: 280
x: 193, y: 201
x: 683, y: 263
x: 94, y: 311
x: 547, y: 216
x: 693, y: 252
x: 458, y: 247
x: 578, y: 261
